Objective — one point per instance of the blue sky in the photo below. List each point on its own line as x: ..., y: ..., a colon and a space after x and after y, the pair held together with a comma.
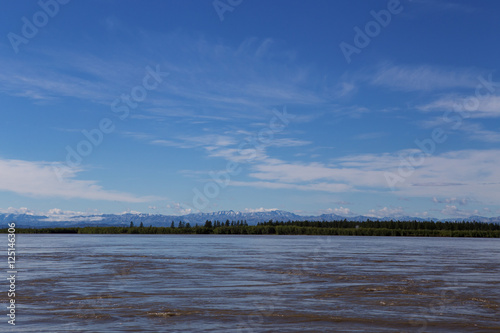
x: 382, y: 108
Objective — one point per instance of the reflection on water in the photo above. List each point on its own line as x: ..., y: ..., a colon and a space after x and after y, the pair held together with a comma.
x: 189, y: 283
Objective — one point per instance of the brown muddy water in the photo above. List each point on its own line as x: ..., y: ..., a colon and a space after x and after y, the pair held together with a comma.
x: 221, y: 283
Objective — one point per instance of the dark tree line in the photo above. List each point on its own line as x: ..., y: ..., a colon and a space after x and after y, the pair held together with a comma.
x: 343, y: 227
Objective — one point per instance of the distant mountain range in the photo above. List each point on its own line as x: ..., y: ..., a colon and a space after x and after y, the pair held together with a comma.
x: 158, y: 220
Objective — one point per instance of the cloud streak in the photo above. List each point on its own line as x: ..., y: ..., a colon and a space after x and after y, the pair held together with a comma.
x: 38, y: 179
x: 424, y: 77
x: 474, y: 173
x: 484, y: 107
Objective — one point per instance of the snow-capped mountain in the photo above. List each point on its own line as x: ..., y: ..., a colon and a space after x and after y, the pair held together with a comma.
x: 252, y: 218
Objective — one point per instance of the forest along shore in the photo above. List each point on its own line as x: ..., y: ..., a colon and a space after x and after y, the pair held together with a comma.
x: 334, y: 228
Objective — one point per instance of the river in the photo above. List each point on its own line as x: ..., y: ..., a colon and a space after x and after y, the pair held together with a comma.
x: 237, y: 283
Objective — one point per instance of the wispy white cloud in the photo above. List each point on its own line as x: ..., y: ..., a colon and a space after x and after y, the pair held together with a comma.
x: 238, y: 82
x: 474, y: 173
x: 22, y: 210
x: 288, y: 142
x: 210, y: 142
x: 179, y: 209
x: 40, y: 179
x: 238, y: 146
x: 343, y: 211
x: 208, y: 79
x: 55, y: 214
x: 344, y: 89
x: 423, y: 77
x: 39, y: 83
x: 259, y: 210
x: 320, y: 186
x: 478, y: 133
x: 461, y: 201
x: 353, y: 111
x: 386, y: 212
x: 466, y: 106
x: 453, y: 211
x: 129, y: 211
x: 472, y: 130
